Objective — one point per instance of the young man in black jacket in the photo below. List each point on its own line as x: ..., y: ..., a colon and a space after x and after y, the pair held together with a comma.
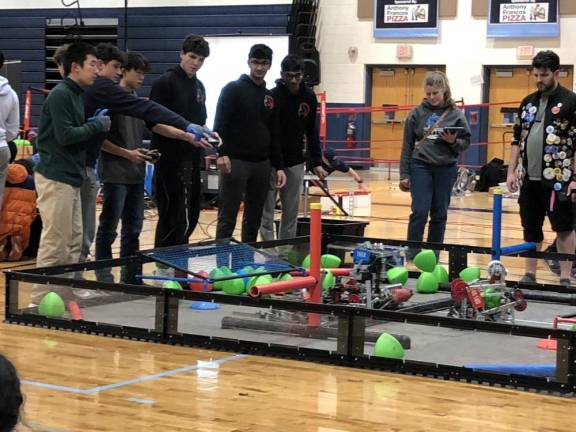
x: 296, y: 106
x: 177, y: 181
x: 246, y: 120
x: 105, y: 93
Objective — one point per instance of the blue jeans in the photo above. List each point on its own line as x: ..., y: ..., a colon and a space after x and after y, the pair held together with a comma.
x: 431, y: 188
x: 121, y: 201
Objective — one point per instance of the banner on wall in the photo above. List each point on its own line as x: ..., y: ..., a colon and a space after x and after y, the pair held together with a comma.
x: 405, y: 18
x: 523, y: 19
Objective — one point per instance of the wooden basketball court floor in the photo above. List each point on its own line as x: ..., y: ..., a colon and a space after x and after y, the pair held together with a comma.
x: 76, y: 382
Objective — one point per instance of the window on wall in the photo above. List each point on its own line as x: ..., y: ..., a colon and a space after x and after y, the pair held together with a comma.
x: 67, y: 29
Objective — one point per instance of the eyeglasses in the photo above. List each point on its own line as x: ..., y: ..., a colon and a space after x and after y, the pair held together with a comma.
x: 292, y: 75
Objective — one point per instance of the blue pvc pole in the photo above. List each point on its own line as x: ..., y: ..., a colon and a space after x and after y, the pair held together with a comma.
x: 496, y: 224
x: 545, y: 370
x: 520, y: 247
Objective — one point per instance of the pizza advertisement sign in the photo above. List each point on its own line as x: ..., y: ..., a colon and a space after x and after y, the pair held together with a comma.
x: 523, y: 19
x: 405, y: 18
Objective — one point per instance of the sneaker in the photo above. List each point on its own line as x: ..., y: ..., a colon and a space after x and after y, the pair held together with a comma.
x: 553, y: 265
x: 528, y: 278
x: 566, y: 283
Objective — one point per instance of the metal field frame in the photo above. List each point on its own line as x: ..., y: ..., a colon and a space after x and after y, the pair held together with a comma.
x: 348, y: 336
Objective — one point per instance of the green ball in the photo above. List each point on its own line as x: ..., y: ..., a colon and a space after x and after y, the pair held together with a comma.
x: 491, y: 298
x: 573, y: 328
x: 306, y: 262
x: 170, y: 284
x: 427, y: 283
x: 441, y: 274
x: 328, y: 281
x: 233, y: 286
x: 285, y: 277
x: 470, y: 274
x: 397, y: 275
x: 263, y: 280
x: 330, y: 261
x: 388, y: 346
x: 52, y: 306
x: 226, y: 271
x: 425, y: 260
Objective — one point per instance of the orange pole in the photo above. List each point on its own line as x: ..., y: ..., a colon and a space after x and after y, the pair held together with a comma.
x: 282, y: 286
x: 27, y: 115
x: 315, y: 256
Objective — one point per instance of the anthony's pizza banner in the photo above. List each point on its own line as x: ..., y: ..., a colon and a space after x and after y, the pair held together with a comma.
x: 523, y: 19
x: 405, y: 18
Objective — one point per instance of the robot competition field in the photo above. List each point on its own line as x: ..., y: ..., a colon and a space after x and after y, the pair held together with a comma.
x: 240, y: 295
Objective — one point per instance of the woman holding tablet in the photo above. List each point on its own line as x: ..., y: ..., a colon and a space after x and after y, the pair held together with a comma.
x: 435, y: 133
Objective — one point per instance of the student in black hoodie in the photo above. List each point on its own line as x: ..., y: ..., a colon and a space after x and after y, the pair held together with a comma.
x: 177, y: 182
x: 106, y: 93
x: 246, y: 121
x: 296, y: 106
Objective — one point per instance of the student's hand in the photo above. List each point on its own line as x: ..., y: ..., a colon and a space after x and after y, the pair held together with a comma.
x: 512, y: 182
x: 320, y: 172
x: 571, y: 191
x: 450, y: 138
x: 405, y: 185
x: 200, y: 143
x: 280, y: 179
x: 224, y: 165
x: 138, y: 155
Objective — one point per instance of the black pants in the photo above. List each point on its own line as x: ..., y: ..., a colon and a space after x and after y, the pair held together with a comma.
x: 248, y: 181
x: 177, y: 192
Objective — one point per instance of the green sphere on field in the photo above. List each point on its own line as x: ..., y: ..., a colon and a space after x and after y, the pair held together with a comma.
x: 387, y: 346
x: 170, y: 284
x: 441, y: 274
x: 397, y: 275
x: 425, y: 260
x: 233, y: 286
x: 427, y: 283
x: 52, y: 306
x: 328, y: 281
x: 470, y: 274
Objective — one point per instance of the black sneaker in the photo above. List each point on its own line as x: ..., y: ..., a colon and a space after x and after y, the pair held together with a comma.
x: 528, y: 278
x: 553, y: 265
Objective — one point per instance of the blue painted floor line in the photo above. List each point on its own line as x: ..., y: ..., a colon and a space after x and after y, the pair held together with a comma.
x: 41, y: 428
x: 124, y: 383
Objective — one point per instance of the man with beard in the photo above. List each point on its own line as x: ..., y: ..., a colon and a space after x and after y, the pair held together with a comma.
x: 542, y: 161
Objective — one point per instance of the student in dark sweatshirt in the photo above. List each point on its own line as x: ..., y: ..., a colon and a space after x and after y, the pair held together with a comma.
x: 296, y: 106
x: 246, y: 120
x: 107, y: 94
x: 63, y: 135
x: 177, y: 180
x: 429, y: 155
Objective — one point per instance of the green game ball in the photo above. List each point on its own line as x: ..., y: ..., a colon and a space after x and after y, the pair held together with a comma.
x: 233, y: 286
x: 491, y: 298
x: 328, y: 281
x: 573, y: 328
x: 441, y: 274
x: 169, y: 284
x: 52, y: 306
x: 427, y: 283
x: 285, y: 277
x: 425, y: 260
x: 326, y: 261
x: 470, y: 274
x: 387, y: 346
x: 397, y: 275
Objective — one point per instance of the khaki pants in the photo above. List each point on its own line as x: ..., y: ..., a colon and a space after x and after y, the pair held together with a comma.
x: 61, y: 239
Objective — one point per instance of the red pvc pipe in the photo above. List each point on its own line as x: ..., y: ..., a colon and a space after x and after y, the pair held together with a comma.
x: 315, y: 256
x: 282, y: 286
x: 339, y: 271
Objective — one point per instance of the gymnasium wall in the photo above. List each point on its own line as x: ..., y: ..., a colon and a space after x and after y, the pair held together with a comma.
x: 156, y: 32
x: 462, y: 46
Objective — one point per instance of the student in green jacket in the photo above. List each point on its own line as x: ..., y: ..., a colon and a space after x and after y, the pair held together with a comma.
x: 61, y: 143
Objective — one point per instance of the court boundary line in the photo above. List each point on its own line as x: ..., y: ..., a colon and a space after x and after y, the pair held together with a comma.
x: 124, y: 383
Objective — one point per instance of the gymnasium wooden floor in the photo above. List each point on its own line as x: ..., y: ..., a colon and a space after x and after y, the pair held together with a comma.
x: 76, y: 382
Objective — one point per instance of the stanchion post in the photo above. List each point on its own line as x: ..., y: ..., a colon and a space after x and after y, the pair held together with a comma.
x: 315, y: 256
x: 496, y: 224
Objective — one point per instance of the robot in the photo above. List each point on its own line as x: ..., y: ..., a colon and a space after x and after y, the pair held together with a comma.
x: 366, y: 284
x: 487, y: 300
